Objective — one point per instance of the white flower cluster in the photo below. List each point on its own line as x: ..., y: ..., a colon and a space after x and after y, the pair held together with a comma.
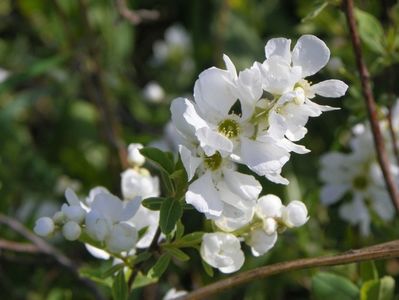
x: 358, y: 174
x: 112, y: 224
x: 251, y: 118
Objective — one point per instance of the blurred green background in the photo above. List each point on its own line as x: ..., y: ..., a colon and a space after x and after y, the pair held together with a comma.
x: 79, y: 82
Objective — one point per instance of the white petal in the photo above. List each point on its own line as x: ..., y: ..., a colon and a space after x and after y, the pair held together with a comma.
x: 382, y: 204
x: 330, y: 194
x: 310, y: 53
x: 108, y: 205
x: 204, y: 197
x: 245, y: 186
x: 71, y: 197
x: 290, y: 146
x: 295, y: 214
x: 280, y: 47
x: 261, y: 242
x: 130, y: 208
x: 211, y: 141
x: 230, y: 66
x: 330, y: 88
x: 213, y: 93
x: 190, y: 162
x: 97, y: 253
x: 233, y: 218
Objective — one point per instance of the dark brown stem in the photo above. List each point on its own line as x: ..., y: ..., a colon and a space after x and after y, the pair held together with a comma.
x: 49, y: 250
x: 136, y: 16
x: 376, y: 252
x: 370, y: 104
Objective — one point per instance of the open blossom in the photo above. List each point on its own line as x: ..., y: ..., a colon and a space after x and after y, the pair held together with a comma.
x: 357, y: 173
x: 222, y: 251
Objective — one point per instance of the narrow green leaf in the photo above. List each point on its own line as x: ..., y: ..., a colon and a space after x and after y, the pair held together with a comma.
x: 378, y: 289
x: 153, y: 203
x: 180, y: 181
x: 171, y: 212
x: 111, y: 271
x: 160, y: 266
x: 179, y: 230
x: 319, y: 6
x: 177, y: 253
x: 371, y: 31
x: 162, y: 160
x: 119, y: 287
x: 190, y: 240
x: 142, y: 257
x: 328, y: 286
x: 143, y: 280
x: 208, y: 269
x: 368, y: 271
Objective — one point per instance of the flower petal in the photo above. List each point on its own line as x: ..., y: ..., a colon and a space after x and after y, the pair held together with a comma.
x: 245, y: 186
x: 280, y: 47
x: 310, y: 53
x: 190, y: 162
x: 330, y: 88
x: 331, y: 193
x: 203, y: 195
x: 211, y: 141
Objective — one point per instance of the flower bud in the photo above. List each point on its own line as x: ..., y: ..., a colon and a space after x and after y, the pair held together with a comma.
x: 134, y: 156
x: 295, y: 214
x: 73, y: 213
x: 71, y: 231
x: 269, y: 226
x: 44, y: 226
x: 269, y: 206
x: 59, y: 217
x: 261, y: 242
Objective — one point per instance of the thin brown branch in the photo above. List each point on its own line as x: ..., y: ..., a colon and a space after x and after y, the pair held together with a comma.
x: 49, y: 250
x: 136, y: 16
x: 18, y: 247
x: 371, y: 106
x: 376, y: 252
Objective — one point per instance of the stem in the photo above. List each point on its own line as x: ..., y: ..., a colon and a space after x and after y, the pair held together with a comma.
x: 136, y: 16
x: 48, y: 249
x: 380, y: 251
x: 371, y: 106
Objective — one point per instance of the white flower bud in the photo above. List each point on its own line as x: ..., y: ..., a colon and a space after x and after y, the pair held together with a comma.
x: 269, y: 206
x: 71, y: 231
x: 261, y: 242
x: 44, y: 226
x: 123, y: 237
x: 73, y: 213
x: 139, y: 184
x: 134, y: 156
x: 59, y: 217
x: 222, y: 251
x: 295, y: 214
x: 269, y: 226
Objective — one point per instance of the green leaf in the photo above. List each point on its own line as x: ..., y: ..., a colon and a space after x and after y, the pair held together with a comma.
x: 208, y: 269
x: 111, y: 271
x: 171, y: 212
x: 119, y: 287
x: 153, y: 203
x: 142, y: 257
x: 319, y: 6
x: 177, y: 253
x: 179, y: 230
x: 328, y: 286
x: 160, y: 266
x: 368, y: 271
x: 190, y: 240
x: 180, y: 181
x: 143, y: 280
x: 371, y: 31
x: 163, y: 160
x: 378, y: 289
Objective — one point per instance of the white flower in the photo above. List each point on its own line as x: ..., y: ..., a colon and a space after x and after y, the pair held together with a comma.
x: 145, y: 218
x: 134, y: 156
x: 97, y: 252
x: 222, y: 251
x: 123, y: 237
x: 93, y: 192
x: 74, y: 211
x: 139, y: 183
x: 71, y: 230
x: 44, y: 226
x: 174, y: 294
x: 153, y: 92
x: 106, y: 212
x: 283, y: 74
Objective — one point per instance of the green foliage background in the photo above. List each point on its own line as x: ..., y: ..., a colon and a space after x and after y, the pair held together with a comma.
x: 67, y: 58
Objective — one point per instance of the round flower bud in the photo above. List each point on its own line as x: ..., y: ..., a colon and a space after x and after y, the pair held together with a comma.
x: 261, y: 242
x: 295, y: 214
x: 71, y: 230
x: 269, y: 226
x: 123, y: 237
x: 44, y: 226
x: 138, y: 184
x: 269, y: 206
x: 134, y: 156
x: 73, y: 213
x: 59, y: 217
x: 222, y: 251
